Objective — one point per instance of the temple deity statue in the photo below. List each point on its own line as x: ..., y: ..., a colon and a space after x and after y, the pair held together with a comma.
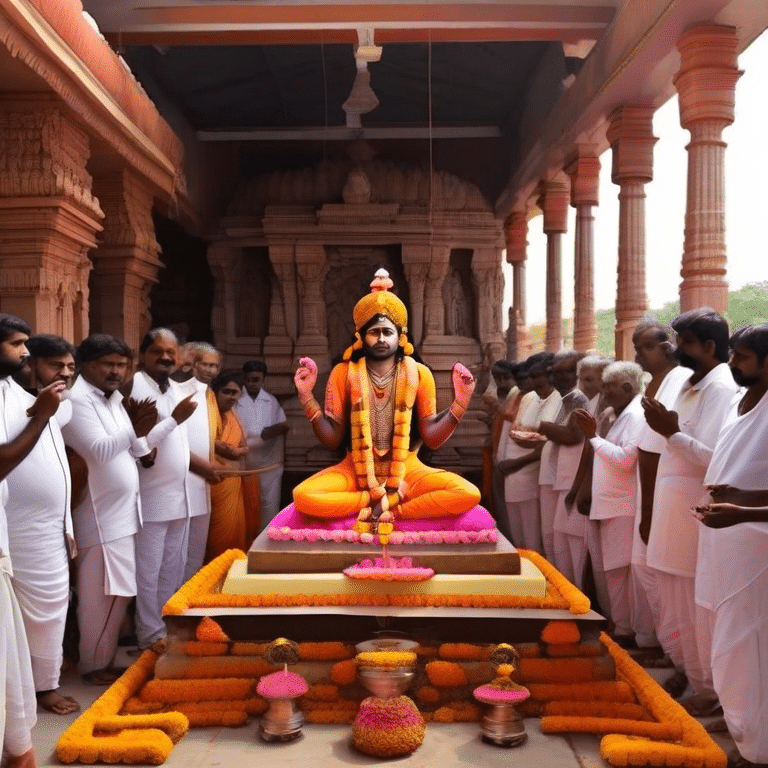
x: 385, y: 402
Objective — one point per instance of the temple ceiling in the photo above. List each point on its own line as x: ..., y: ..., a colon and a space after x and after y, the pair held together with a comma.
x: 461, y: 84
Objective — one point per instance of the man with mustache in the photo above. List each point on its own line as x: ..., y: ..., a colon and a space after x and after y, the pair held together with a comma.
x: 108, y: 435
x: 691, y: 429
x: 161, y: 544
x: 16, y: 683
x: 40, y: 526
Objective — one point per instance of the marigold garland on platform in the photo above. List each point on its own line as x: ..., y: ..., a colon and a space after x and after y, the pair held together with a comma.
x: 328, y: 651
x: 560, y: 633
x: 209, y: 631
x: 224, y: 689
x: 136, y: 743
x: 344, y: 672
x: 446, y: 674
x: 464, y: 651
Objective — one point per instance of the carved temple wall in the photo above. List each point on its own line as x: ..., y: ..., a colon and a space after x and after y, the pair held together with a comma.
x: 297, y: 249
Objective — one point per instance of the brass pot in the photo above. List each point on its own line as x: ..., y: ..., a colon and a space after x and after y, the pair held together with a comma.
x: 386, y: 683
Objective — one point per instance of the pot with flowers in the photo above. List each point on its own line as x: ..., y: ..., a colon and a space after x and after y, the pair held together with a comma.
x: 502, y: 723
x: 283, y: 719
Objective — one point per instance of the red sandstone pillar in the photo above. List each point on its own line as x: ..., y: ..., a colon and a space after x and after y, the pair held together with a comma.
x: 311, y: 268
x: 706, y: 85
x: 516, y: 234
x: 584, y: 170
x: 554, y: 203
x: 48, y: 217
x: 126, y: 262
x: 630, y: 134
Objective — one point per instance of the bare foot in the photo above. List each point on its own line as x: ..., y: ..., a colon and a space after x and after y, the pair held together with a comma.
x: 27, y: 760
x: 53, y: 701
x: 675, y: 686
x: 701, y: 705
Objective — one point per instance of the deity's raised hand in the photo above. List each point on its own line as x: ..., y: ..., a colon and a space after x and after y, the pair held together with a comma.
x: 305, y: 378
x: 463, y: 384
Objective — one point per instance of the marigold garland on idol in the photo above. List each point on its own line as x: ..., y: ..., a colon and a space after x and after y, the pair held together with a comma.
x: 283, y: 720
x: 502, y: 723
x: 388, y: 724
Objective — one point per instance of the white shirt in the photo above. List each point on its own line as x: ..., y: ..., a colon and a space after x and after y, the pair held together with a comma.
x: 701, y: 409
x: 651, y: 441
x: 163, y: 486
x: 41, y: 510
x: 524, y: 484
x: 561, y: 459
x: 199, y: 436
x: 102, y: 435
x: 614, y: 475
x: 255, y: 415
x: 730, y: 559
x: 4, y: 384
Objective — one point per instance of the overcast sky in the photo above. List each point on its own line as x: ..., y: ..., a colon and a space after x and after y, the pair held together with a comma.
x: 746, y: 205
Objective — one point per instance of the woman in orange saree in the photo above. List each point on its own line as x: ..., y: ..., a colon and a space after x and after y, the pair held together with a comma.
x: 228, y: 517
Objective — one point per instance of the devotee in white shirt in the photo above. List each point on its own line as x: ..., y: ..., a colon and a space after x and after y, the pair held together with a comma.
x: 108, y: 437
x: 614, y: 488
x: 520, y: 452
x: 691, y: 430
x: 40, y: 523
x: 571, y: 525
x: 561, y: 433
x: 162, y: 540
x: 265, y: 426
x: 654, y: 345
x: 201, y: 429
x: 18, y: 705
x: 732, y: 566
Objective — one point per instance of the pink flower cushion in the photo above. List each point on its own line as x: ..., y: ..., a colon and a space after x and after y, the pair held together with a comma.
x: 476, y: 519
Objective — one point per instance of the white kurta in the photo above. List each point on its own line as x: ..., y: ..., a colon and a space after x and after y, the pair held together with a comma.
x: 732, y: 586
x: 255, y: 415
x: 701, y: 410
x: 38, y: 521
x: 18, y: 705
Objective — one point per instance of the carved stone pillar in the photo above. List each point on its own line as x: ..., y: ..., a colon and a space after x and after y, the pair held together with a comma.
x: 584, y: 170
x: 554, y: 203
x: 126, y: 263
x: 284, y: 310
x: 630, y: 134
x: 516, y: 234
x: 706, y: 85
x: 488, y: 284
x: 48, y: 217
x: 434, y: 311
x: 223, y: 261
x: 311, y: 267
x: 416, y: 268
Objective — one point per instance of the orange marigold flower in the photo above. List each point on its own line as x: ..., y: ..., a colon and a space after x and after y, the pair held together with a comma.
x: 560, y: 632
x: 446, y: 674
x: 333, y: 651
x: 209, y: 631
x: 467, y: 651
x: 427, y: 694
x: 344, y: 672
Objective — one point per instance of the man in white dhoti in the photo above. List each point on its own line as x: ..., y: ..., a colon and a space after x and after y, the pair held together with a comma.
x: 108, y: 437
x: 201, y: 432
x: 574, y: 468
x: 561, y: 433
x: 162, y: 540
x: 40, y: 521
x: 614, y: 489
x: 266, y: 426
x: 690, y: 431
x: 732, y: 566
x: 17, y: 690
x: 520, y: 452
x: 655, y: 346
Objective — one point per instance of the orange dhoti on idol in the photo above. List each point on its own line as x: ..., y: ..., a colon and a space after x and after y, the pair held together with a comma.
x: 388, y: 401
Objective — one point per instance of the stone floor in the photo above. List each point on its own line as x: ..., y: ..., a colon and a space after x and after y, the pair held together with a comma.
x: 447, y: 746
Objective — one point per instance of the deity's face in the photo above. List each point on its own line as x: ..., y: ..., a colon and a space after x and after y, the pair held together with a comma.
x: 254, y: 381
x: 13, y: 353
x: 206, y: 367
x: 227, y: 396
x: 46, y: 370
x: 381, y: 339
x: 160, y: 357
x: 107, y: 372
